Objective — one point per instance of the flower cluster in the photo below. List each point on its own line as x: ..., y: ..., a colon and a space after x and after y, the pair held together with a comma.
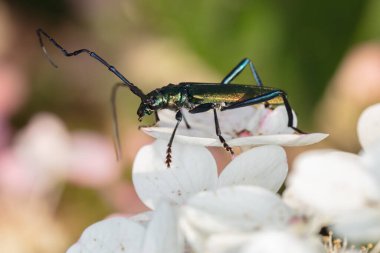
x: 342, y: 189
x: 193, y: 209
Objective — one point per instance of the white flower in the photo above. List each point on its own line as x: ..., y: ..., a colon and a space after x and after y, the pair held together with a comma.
x: 282, y: 242
x: 342, y: 189
x: 194, y: 170
x: 267, y: 241
x: 123, y: 235
x: 231, y: 210
x: 248, y: 126
x: 239, y: 202
x: 330, y: 182
x: 369, y: 126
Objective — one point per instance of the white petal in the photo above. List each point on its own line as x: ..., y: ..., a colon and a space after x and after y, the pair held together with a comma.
x: 371, y: 159
x: 330, y: 182
x: 276, y: 122
x: 226, y: 242
x: 199, y: 121
x: 289, y: 140
x: 369, y: 126
x: 230, y: 121
x: 267, y: 241
x: 255, y: 119
x: 264, y: 166
x: 231, y: 209
x: 162, y: 233
x: 360, y: 226
x: 142, y: 218
x: 192, y: 136
x: 193, y: 169
x: 111, y: 235
x: 185, y: 136
x: 234, y: 121
x: 281, y: 242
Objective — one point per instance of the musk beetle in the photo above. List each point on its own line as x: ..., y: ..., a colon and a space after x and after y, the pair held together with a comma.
x: 194, y: 97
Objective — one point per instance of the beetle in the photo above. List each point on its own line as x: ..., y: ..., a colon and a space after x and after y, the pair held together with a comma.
x: 195, y: 97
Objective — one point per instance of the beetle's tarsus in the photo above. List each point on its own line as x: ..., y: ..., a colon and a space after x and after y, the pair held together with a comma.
x: 226, y: 146
x: 298, y: 130
x: 168, y: 159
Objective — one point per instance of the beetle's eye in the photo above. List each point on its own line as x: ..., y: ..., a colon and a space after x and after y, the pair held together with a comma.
x: 150, y: 101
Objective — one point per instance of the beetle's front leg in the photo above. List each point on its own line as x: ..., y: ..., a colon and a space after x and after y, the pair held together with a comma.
x: 156, y: 120
x: 168, y: 160
x: 219, y: 134
x: 156, y: 117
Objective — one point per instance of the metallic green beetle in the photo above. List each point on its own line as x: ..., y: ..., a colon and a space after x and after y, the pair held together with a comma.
x: 195, y: 97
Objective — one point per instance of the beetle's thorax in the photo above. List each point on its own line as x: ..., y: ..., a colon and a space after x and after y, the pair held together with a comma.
x: 174, y: 96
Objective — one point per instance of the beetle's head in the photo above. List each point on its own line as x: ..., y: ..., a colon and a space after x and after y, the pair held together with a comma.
x: 153, y: 102
x: 144, y: 109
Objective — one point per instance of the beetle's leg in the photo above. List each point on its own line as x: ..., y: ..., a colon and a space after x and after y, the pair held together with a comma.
x: 219, y: 134
x: 156, y: 116
x: 168, y: 160
x: 263, y: 98
x: 290, y: 114
x: 186, y: 122
x: 239, y: 68
x: 156, y: 119
x: 202, y: 108
x: 205, y: 107
x: 115, y: 122
x: 111, y: 68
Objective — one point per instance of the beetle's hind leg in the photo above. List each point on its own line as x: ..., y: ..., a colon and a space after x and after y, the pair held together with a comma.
x: 239, y: 68
x: 264, y: 98
x: 219, y: 134
x: 290, y: 115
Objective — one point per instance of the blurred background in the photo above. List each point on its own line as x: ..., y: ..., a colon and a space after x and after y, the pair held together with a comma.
x: 58, y: 172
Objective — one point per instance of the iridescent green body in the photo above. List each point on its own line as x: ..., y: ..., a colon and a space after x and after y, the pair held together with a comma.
x: 189, y: 95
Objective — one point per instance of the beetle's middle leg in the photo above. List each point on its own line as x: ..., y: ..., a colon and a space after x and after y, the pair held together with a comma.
x: 206, y: 107
x: 219, y: 134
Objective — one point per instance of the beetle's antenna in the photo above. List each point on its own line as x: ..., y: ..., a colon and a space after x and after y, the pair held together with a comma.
x: 115, y: 122
x: 111, y: 68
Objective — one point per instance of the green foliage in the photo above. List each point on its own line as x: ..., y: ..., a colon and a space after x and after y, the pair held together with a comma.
x: 296, y: 45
